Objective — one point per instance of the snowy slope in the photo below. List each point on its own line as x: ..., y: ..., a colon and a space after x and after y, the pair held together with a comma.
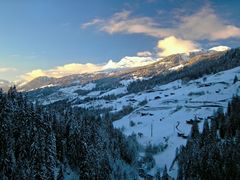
x: 177, y: 103
x: 167, y: 109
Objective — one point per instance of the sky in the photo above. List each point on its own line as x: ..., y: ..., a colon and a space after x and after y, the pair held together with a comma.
x: 62, y: 37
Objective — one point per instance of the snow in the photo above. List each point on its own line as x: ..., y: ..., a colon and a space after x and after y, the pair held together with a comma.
x: 22, y: 83
x: 94, y: 93
x: 41, y: 87
x: 196, y: 50
x: 176, y: 104
x: 72, y: 89
x: 49, y: 85
x: 129, y: 62
x: 185, y: 57
x: 121, y: 90
x: 89, y: 86
x: 69, y: 93
x: 126, y: 82
x: 167, y: 105
x: 176, y: 67
x: 219, y: 48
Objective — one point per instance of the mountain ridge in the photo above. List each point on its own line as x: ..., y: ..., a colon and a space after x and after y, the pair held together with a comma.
x: 155, y: 68
x: 166, y: 64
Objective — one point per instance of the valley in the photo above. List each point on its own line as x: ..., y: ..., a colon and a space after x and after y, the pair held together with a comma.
x: 161, y: 116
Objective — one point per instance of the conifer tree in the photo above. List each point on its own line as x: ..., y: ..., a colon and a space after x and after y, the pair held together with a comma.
x: 165, y: 173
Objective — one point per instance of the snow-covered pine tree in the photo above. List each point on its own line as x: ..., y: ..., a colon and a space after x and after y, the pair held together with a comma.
x: 165, y: 175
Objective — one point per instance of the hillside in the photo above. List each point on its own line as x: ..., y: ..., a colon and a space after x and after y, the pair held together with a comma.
x: 159, y: 116
x: 170, y: 108
x: 119, y: 90
x: 162, y: 116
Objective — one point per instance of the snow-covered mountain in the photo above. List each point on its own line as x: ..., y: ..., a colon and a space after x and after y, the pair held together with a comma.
x: 129, y: 62
x: 44, y: 81
x: 220, y: 48
x: 156, y: 102
x: 39, y: 82
x: 165, y: 70
x: 166, y: 110
x: 128, y: 67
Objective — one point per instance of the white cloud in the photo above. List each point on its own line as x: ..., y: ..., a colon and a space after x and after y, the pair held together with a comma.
x: 121, y: 22
x: 144, y: 54
x: 6, y: 69
x: 74, y: 68
x: 204, y: 24
x: 91, y: 23
x: 61, y: 71
x: 172, y: 45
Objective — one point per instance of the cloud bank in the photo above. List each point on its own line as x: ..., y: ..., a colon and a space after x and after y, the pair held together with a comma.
x: 61, y: 71
x: 202, y: 25
x: 205, y: 24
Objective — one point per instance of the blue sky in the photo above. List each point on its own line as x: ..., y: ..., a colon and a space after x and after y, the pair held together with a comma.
x: 44, y: 34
